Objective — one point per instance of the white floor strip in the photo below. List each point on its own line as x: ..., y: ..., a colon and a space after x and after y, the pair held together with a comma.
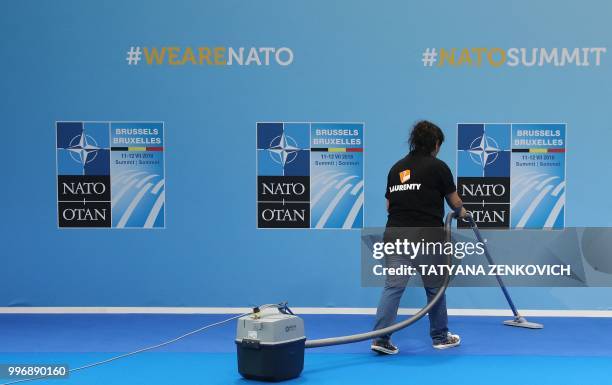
x: 297, y: 310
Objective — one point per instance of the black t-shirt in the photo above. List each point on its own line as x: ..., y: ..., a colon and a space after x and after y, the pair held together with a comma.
x: 416, y: 187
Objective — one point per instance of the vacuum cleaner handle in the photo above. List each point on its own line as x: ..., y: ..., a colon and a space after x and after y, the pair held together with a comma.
x: 472, y: 223
x: 400, y: 325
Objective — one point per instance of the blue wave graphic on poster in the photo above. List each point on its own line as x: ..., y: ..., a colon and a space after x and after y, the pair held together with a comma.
x: 138, y: 199
x: 337, y: 200
x: 538, y: 200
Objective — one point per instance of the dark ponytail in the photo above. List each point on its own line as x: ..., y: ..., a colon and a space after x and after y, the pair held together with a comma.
x: 424, y: 137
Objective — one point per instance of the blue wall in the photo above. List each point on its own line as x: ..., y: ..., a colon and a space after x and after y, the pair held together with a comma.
x: 354, y: 61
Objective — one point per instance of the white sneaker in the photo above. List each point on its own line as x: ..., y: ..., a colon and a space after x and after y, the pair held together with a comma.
x: 384, y: 347
x: 451, y: 341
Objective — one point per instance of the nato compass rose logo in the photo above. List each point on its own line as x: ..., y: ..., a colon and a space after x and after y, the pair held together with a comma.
x: 83, y: 149
x: 283, y: 149
x: 484, y: 150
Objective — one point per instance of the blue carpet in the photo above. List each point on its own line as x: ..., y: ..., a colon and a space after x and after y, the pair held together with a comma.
x: 567, y: 351
x: 363, y: 368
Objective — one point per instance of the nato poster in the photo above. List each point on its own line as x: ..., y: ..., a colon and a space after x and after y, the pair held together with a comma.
x: 110, y: 174
x: 310, y: 175
x: 513, y: 175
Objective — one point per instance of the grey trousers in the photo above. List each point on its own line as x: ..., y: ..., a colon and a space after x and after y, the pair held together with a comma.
x: 388, y: 305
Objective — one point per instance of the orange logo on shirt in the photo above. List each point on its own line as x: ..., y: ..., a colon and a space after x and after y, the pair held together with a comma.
x: 405, y: 176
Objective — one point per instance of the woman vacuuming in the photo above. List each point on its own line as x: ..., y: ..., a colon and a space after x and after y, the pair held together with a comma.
x: 418, y: 206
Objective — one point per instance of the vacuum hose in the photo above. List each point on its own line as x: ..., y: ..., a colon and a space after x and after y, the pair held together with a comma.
x: 400, y: 325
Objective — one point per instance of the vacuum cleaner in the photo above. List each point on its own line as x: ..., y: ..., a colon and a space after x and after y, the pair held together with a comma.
x: 270, y: 345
